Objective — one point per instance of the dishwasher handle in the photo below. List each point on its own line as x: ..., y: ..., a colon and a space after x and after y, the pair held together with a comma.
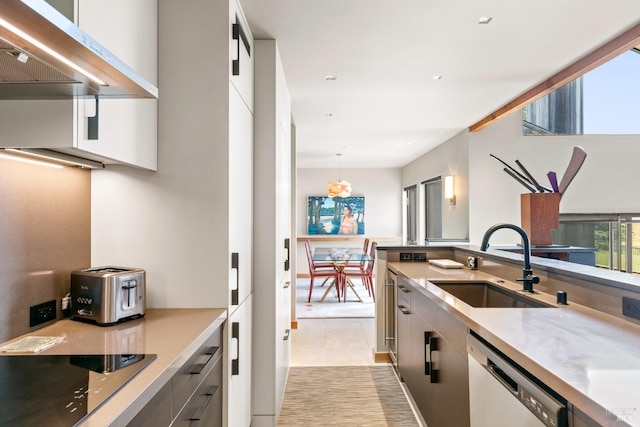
x: 501, y: 376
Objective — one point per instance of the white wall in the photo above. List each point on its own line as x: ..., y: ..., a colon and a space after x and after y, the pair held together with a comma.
x: 449, y: 158
x: 486, y: 195
x: 382, y: 189
x: 607, y: 182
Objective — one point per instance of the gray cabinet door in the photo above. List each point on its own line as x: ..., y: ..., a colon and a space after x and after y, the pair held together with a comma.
x: 438, y: 379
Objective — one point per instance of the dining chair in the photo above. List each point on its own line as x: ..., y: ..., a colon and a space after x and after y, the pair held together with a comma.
x: 365, y: 247
x: 366, y: 274
x: 365, y: 250
x: 319, y: 270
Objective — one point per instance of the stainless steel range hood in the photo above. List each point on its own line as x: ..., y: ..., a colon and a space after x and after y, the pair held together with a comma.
x: 43, y: 55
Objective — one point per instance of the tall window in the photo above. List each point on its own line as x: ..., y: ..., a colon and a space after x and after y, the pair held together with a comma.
x: 411, y: 205
x: 433, y: 208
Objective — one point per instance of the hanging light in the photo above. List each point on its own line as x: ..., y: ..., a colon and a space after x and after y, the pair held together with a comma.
x: 341, y: 188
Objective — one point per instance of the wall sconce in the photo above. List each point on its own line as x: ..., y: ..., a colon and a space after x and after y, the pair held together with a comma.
x: 448, y: 190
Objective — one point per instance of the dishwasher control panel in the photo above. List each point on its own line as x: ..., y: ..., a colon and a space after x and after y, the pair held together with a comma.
x: 548, y: 416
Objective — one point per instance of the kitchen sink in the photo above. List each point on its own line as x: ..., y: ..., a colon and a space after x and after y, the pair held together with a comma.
x: 488, y: 295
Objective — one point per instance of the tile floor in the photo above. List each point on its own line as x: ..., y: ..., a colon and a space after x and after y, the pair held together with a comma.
x: 333, y: 342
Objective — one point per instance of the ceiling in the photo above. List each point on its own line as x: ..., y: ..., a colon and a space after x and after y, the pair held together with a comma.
x: 385, y: 108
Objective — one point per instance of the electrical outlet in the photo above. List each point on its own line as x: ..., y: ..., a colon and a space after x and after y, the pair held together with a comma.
x: 631, y: 307
x: 42, y: 313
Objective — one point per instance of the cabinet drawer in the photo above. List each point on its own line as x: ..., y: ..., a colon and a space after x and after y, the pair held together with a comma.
x: 205, y: 406
x: 157, y: 412
x: 403, y: 293
x: 189, y: 377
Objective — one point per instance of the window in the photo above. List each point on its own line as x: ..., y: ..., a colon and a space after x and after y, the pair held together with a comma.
x: 433, y: 208
x: 615, y: 237
x: 411, y: 212
x: 603, y: 101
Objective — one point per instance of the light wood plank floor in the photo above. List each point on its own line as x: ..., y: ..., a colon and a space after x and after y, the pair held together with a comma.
x: 333, y: 342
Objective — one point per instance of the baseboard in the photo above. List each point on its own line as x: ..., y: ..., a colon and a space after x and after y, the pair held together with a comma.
x: 303, y: 276
x: 381, y: 357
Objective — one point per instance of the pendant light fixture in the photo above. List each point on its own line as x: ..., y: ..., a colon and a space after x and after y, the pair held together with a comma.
x: 340, y: 188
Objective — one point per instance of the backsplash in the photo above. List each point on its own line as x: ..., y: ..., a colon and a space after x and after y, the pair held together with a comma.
x: 45, y: 233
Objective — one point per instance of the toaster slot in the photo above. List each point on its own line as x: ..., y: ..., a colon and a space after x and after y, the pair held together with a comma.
x: 129, y: 294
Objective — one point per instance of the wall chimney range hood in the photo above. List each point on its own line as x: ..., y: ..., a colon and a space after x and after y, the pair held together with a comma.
x: 43, y: 55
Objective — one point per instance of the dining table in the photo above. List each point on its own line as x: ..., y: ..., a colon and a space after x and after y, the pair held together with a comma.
x: 341, y: 259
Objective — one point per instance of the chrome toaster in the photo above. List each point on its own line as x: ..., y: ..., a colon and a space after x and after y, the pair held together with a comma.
x: 107, y: 295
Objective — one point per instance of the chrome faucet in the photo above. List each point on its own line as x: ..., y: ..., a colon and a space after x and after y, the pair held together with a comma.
x: 528, y: 278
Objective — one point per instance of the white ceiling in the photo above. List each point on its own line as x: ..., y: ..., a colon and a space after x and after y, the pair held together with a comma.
x: 385, y: 109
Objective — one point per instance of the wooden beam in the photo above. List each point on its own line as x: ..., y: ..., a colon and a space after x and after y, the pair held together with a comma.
x: 593, y: 60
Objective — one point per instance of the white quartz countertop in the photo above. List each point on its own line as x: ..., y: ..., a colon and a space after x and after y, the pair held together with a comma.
x: 172, y: 334
x: 590, y: 358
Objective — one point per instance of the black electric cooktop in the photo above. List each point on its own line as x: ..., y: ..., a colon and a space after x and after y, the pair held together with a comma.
x: 61, y: 390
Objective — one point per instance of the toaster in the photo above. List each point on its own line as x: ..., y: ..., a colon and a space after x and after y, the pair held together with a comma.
x: 107, y: 295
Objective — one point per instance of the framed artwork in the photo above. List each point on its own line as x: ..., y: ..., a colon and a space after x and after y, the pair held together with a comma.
x: 335, y: 215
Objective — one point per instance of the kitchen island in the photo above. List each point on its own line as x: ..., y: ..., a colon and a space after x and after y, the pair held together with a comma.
x: 175, y: 336
x: 589, y: 357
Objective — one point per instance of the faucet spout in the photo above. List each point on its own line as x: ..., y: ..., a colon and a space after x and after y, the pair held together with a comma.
x: 528, y: 278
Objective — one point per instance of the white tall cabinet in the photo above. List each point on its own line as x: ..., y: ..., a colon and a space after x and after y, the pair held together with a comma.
x: 189, y: 225
x: 127, y: 128
x: 272, y: 233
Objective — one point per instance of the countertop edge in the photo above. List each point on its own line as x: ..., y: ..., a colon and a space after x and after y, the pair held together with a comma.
x: 585, y: 403
x: 161, y: 380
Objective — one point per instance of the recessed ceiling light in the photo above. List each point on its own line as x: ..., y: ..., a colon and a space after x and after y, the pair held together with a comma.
x: 485, y: 20
x: 437, y: 77
x: 331, y: 77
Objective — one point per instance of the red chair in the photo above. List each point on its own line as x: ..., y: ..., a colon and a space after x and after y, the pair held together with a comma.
x: 365, y: 247
x: 365, y: 250
x: 325, y: 270
x: 366, y: 274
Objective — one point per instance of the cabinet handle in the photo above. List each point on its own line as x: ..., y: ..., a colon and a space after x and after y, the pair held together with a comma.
x: 403, y: 289
x: 388, y: 312
x: 199, y: 367
x: 286, y: 334
x: 430, y: 345
x: 287, y: 284
x: 234, y: 265
x: 404, y: 309
x: 287, y: 244
x: 92, y: 124
x: 235, y: 363
x: 237, y: 34
x: 198, y: 413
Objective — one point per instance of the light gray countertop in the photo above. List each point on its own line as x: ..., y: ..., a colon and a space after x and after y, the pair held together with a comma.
x: 173, y: 334
x: 590, y: 358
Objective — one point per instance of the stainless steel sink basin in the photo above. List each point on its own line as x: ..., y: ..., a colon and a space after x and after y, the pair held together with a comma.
x: 488, y: 295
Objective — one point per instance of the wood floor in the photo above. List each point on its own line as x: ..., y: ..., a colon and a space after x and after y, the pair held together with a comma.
x: 333, y: 342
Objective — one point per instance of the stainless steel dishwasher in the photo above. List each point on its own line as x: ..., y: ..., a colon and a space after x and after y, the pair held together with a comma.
x: 502, y: 394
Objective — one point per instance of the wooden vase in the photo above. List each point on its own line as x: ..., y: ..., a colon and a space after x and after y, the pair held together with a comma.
x: 539, y: 214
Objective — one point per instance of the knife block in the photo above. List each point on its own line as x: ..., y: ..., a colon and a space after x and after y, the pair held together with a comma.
x: 539, y: 214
